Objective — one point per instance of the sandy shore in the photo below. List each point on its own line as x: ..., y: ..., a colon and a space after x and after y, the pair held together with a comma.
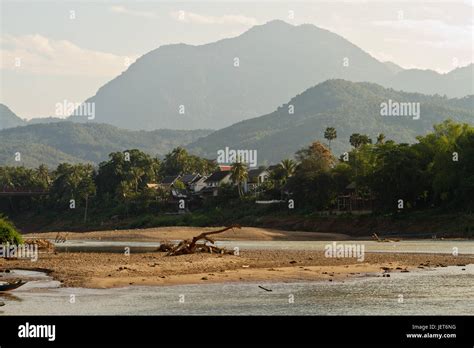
x: 158, y: 234
x: 104, y: 270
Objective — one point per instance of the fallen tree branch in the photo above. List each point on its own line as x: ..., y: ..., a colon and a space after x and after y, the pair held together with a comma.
x: 192, y: 246
x: 376, y: 237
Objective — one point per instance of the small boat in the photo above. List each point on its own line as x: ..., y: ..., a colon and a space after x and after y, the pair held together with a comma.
x: 11, y: 285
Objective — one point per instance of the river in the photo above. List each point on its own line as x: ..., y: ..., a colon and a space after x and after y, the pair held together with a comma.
x: 440, y: 291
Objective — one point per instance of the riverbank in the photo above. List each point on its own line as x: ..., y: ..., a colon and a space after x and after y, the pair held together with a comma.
x: 108, y: 270
x: 158, y: 234
x: 422, y: 224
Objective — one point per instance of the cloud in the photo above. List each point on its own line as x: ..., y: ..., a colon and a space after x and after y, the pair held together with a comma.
x: 430, y: 32
x: 191, y: 17
x: 428, y: 26
x: 130, y: 12
x: 42, y: 55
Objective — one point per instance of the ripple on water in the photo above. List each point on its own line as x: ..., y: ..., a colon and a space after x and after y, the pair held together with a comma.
x: 447, y: 291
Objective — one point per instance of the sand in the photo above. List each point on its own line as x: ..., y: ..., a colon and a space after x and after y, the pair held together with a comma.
x: 177, y: 233
x: 105, y: 270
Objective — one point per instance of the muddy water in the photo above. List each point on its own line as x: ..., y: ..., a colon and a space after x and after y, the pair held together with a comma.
x: 447, y: 291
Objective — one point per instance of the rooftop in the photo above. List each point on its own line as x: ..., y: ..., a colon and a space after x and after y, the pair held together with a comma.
x: 218, y: 176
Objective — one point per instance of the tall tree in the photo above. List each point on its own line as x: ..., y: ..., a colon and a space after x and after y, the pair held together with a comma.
x: 380, y: 139
x: 136, y: 175
x: 357, y: 140
x: 330, y: 134
x: 72, y: 182
x: 43, y: 176
x: 179, y: 161
x: 239, y: 175
x: 289, y: 167
x: 133, y: 167
x: 316, y: 157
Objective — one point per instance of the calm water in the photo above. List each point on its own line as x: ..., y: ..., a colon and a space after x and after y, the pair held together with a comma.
x: 447, y: 291
x: 406, y: 246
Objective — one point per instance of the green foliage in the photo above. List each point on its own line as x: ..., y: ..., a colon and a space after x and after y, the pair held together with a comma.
x: 179, y: 185
x: 357, y: 140
x: 126, y: 173
x: 451, y: 148
x: 330, y: 134
x: 399, y: 173
x: 72, y: 182
x: 179, y: 161
x: 347, y: 106
x: 288, y: 167
x: 437, y: 172
x: 239, y: 175
x: 8, y: 233
x: 380, y: 139
x: 313, y: 189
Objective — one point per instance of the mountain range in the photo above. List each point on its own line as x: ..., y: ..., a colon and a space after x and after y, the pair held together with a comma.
x: 53, y: 143
x: 8, y: 118
x: 217, y: 84
x: 350, y: 107
x: 347, y: 106
x: 228, y: 85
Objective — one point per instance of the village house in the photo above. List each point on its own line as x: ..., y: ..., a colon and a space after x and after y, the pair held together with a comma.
x: 215, y: 180
x: 198, y: 185
x: 169, y: 181
x: 194, y: 182
x: 351, y: 201
x: 255, y: 178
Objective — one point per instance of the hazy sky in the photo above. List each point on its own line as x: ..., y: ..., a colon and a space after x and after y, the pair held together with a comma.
x: 68, y: 55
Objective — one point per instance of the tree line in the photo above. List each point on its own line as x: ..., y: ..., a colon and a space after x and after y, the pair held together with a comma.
x: 435, y: 172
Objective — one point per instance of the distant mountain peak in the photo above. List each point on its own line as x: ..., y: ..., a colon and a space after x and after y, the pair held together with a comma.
x: 275, y: 23
x: 8, y: 118
x: 218, y: 84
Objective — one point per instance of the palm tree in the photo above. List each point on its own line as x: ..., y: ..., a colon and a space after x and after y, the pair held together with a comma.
x: 239, y: 174
x: 176, y: 162
x: 380, y: 139
x: 289, y: 167
x: 179, y: 153
x: 357, y: 140
x: 136, y: 174
x: 42, y: 174
x: 330, y: 134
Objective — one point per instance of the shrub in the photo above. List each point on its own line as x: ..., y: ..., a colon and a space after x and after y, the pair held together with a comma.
x: 8, y: 233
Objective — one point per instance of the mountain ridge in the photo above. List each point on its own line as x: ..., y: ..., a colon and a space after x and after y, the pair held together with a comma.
x: 350, y: 107
x: 275, y: 61
x: 8, y: 118
x: 53, y: 143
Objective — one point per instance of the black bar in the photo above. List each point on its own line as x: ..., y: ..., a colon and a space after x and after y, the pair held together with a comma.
x: 192, y: 330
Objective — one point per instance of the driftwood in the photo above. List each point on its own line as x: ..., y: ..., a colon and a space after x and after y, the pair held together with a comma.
x: 193, y: 246
x: 376, y: 237
x: 43, y: 244
x: 60, y: 238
